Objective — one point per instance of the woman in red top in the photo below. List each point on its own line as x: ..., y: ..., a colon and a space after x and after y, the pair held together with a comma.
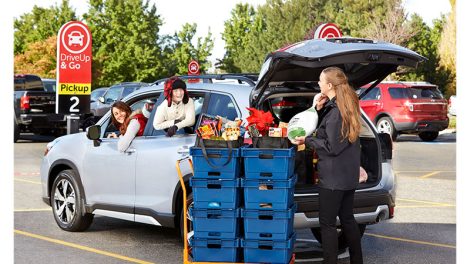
x: 130, y: 124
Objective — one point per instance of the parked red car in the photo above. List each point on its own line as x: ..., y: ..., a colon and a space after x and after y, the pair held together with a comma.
x: 406, y: 108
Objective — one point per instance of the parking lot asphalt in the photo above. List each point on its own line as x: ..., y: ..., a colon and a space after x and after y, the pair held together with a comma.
x: 422, y: 231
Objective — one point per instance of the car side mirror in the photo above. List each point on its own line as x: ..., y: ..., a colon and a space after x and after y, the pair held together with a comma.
x: 101, y: 99
x: 386, y: 145
x: 94, y: 133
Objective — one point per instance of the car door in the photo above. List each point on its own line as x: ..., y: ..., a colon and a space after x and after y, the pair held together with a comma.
x: 371, y: 103
x: 109, y: 175
x: 156, y: 175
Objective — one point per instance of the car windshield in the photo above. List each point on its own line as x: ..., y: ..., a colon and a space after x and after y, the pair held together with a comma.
x: 96, y: 94
x: 112, y: 95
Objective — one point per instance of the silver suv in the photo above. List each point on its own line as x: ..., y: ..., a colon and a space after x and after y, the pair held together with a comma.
x: 82, y: 177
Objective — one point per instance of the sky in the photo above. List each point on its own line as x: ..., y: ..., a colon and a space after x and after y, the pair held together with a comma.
x: 211, y: 14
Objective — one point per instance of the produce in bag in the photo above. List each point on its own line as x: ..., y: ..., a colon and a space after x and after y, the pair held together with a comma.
x: 304, y: 123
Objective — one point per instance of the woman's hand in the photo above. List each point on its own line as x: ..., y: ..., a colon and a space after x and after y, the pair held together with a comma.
x: 319, y: 100
x: 298, y: 141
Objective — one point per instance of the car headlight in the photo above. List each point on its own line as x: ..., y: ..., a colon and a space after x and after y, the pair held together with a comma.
x: 50, y: 145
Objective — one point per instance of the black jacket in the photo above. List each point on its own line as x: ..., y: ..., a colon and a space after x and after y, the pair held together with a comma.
x: 338, y: 159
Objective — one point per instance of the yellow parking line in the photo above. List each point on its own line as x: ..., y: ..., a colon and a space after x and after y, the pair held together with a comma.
x: 97, y: 251
x: 412, y: 241
x: 425, y: 202
x: 429, y: 175
x: 20, y: 180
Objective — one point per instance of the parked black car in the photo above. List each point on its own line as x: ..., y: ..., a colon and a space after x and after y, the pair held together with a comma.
x: 34, y: 107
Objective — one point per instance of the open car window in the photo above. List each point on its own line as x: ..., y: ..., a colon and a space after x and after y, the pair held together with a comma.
x: 147, y: 102
x: 198, y: 97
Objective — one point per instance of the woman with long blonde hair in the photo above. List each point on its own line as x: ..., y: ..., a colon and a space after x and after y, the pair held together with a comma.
x: 336, y: 142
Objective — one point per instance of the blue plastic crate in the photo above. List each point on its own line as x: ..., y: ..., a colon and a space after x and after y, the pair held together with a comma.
x: 215, y: 194
x: 268, y: 224
x: 276, y: 164
x: 215, y: 223
x: 268, y: 251
x: 217, y: 157
x: 215, y: 250
x: 269, y: 194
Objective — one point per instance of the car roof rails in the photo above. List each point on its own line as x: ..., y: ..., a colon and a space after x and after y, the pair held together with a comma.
x: 249, y: 78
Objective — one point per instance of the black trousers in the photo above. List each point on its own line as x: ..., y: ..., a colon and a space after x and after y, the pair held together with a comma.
x: 338, y: 203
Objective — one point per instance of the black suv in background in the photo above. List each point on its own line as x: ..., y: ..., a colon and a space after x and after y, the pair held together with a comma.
x: 34, y: 107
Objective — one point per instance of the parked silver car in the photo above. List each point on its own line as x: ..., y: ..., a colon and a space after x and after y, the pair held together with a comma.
x: 114, y: 93
x: 82, y: 177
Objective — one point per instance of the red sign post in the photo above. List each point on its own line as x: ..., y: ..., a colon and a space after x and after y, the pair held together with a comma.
x: 73, y: 69
x: 327, y: 30
x: 193, y: 69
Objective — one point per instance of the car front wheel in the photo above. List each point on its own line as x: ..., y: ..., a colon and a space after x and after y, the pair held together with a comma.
x: 67, y: 203
x: 428, y: 135
x: 342, y: 245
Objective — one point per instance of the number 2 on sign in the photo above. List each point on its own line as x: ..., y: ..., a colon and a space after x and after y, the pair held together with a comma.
x: 72, y: 108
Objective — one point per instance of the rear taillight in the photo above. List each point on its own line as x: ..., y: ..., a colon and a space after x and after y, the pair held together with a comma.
x: 24, y: 102
x: 409, y: 105
x: 391, y: 211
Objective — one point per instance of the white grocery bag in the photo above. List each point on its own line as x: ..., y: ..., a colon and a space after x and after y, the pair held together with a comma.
x: 303, y: 123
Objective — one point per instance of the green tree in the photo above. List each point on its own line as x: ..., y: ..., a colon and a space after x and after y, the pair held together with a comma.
x: 392, y: 28
x: 425, y: 42
x: 181, y: 50
x: 40, y: 24
x: 39, y: 58
x: 235, y: 35
x: 125, y: 41
x: 447, y: 51
x: 251, y: 34
x: 355, y: 16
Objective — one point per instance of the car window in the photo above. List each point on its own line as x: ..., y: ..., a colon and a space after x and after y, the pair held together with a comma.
x: 374, y: 94
x: 112, y: 95
x: 398, y: 93
x: 96, y: 94
x: 222, y: 105
x: 127, y: 91
x: 426, y: 92
x: 148, y: 102
x: 49, y: 86
x: 415, y: 93
x: 198, y: 98
x: 284, y: 108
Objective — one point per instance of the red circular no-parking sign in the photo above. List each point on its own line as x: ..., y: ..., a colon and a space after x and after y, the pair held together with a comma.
x: 193, y: 67
x: 327, y: 30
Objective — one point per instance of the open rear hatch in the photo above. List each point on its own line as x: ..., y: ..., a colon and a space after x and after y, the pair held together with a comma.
x: 362, y: 60
x: 295, y: 70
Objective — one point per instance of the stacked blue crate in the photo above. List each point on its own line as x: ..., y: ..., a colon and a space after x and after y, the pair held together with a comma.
x: 269, y: 207
x: 216, y: 200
